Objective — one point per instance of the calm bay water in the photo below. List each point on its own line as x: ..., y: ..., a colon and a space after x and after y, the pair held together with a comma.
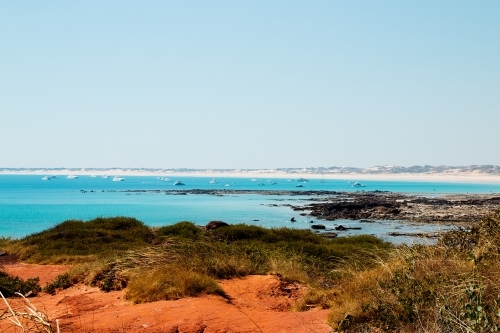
x: 29, y: 204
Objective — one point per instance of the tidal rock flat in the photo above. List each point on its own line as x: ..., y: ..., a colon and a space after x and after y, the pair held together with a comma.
x: 449, y: 209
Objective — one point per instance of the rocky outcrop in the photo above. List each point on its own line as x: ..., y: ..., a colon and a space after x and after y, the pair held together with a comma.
x: 394, y: 206
x: 215, y: 225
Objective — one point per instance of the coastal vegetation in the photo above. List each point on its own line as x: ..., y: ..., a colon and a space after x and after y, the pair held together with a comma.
x: 113, y: 253
x: 368, y: 284
x: 448, y: 287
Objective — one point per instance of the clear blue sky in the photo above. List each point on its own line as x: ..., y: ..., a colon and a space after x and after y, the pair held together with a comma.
x: 249, y: 84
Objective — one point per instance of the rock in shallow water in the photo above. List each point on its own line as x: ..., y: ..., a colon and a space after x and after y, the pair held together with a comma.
x: 318, y: 226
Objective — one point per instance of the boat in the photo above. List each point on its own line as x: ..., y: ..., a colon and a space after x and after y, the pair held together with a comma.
x: 178, y: 183
x: 52, y: 177
x: 213, y: 181
x: 299, y: 185
x: 356, y: 184
x: 166, y: 179
x: 118, y: 179
x: 254, y: 179
x: 302, y: 180
x: 274, y: 183
x: 289, y: 180
x: 93, y: 176
x: 46, y: 178
x: 72, y: 176
x: 322, y: 181
x: 105, y: 177
x: 227, y: 184
x: 261, y: 184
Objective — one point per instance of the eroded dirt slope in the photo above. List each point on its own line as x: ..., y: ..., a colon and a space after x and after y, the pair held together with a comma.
x: 257, y: 304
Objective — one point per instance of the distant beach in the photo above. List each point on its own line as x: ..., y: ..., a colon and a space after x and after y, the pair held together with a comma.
x: 475, y: 174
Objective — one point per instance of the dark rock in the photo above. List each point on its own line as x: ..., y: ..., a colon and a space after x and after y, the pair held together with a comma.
x: 341, y: 227
x: 292, y: 219
x: 415, y: 234
x: 328, y: 234
x: 215, y: 225
x: 318, y: 226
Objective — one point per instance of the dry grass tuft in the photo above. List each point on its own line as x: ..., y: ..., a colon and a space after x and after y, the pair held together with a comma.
x: 167, y: 283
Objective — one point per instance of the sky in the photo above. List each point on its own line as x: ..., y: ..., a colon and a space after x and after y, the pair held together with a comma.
x: 249, y: 84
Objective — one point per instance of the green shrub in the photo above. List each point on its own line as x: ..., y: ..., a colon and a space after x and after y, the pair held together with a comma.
x: 238, y: 232
x: 9, y: 285
x: 183, y: 229
x: 61, y: 282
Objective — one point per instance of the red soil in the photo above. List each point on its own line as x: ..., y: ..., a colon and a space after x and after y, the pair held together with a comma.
x: 257, y: 304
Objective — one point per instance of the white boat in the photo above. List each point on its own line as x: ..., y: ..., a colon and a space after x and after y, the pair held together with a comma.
x: 302, y: 180
x: 254, y: 179
x: 227, y: 185
x: 166, y: 179
x: 93, y: 176
x: 356, y: 184
x: 178, y: 182
x: 72, y: 176
x: 118, y: 179
x: 213, y: 181
x: 105, y: 177
x: 46, y: 178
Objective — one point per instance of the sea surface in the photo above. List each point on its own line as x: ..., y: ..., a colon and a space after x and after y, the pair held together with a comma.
x: 29, y: 204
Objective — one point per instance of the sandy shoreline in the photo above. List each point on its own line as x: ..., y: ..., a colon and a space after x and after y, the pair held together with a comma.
x: 461, y: 177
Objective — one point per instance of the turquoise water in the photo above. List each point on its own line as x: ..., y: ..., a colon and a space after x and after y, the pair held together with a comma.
x: 29, y: 204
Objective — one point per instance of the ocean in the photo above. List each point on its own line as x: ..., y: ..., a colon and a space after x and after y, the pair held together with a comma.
x: 29, y: 204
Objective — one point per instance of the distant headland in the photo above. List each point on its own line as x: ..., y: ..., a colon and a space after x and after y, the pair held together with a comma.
x: 472, y: 173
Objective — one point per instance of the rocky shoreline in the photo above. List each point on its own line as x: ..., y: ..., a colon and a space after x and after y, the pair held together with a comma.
x: 375, y: 205
x: 448, y: 209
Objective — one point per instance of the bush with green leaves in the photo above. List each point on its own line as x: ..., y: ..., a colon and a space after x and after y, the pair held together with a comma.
x: 9, y: 285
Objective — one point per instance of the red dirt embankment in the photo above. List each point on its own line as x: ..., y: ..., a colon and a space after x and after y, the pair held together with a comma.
x: 257, y: 304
